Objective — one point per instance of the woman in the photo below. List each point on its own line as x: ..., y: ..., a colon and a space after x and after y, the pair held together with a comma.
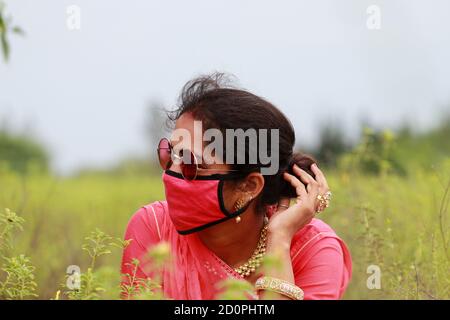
x: 221, y: 218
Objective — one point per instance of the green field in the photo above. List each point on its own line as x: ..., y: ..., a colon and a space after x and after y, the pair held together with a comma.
x: 397, y: 223
x: 390, y: 205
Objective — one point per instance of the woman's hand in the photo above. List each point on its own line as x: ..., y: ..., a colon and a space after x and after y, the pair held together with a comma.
x: 289, y: 219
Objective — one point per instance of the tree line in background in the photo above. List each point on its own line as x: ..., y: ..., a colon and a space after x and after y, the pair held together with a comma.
x: 374, y: 152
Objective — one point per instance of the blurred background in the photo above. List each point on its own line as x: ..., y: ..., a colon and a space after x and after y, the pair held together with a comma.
x: 83, y: 85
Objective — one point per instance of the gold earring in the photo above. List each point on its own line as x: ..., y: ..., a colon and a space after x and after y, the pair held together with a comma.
x: 238, y: 205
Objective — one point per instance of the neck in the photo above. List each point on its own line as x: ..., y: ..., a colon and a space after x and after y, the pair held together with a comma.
x: 233, y: 242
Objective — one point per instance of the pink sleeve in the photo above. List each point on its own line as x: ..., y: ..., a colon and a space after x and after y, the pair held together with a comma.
x: 321, y: 271
x: 143, y: 230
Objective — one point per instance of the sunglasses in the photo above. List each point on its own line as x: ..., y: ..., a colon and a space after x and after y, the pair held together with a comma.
x: 185, y: 158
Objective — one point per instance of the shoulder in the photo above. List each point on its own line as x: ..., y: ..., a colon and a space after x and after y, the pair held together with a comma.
x: 148, y: 220
x: 144, y: 230
x: 311, y: 233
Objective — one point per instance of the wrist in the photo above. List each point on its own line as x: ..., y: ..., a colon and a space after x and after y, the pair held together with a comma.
x: 279, y: 240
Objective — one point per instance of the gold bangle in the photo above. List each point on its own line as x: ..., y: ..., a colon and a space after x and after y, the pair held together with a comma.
x: 279, y: 286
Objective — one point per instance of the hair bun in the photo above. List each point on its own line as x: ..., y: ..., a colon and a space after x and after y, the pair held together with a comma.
x: 304, y: 162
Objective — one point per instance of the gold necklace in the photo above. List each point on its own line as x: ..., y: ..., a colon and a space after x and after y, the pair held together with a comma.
x: 255, y: 260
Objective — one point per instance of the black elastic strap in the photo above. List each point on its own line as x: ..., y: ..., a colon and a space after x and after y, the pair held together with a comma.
x: 200, y: 228
x: 221, y: 178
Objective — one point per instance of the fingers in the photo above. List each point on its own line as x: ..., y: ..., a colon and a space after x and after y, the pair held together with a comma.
x: 283, y: 204
x: 299, y: 187
x: 311, y: 184
x: 307, y: 189
x: 320, y: 178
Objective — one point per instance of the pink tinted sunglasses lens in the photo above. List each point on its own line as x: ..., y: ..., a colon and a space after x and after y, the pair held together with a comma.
x: 164, y: 153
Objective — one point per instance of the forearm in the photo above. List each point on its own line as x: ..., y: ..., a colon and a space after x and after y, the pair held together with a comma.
x: 280, y: 264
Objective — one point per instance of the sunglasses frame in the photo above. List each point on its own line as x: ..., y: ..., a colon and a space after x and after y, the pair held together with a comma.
x: 180, y: 158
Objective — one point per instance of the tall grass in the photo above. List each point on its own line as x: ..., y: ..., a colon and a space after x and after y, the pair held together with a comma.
x: 398, y: 223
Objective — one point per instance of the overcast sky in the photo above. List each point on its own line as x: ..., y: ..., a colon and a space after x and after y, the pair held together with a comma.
x: 84, y: 92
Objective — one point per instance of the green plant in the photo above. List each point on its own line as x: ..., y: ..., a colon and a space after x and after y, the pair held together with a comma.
x: 146, y: 289
x: 9, y: 222
x: 374, y: 154
x: 89, y: 287
x: 20, y: 282
x: 5, y: 28
x: 234, y: 289
x: 18, y: 278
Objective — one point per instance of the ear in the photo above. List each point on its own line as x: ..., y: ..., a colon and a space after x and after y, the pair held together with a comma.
x: 253, y: 184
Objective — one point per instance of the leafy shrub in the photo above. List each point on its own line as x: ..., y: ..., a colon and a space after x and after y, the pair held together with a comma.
x: 18, y: 281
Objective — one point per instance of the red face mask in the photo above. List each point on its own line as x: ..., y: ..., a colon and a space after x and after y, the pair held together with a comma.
x: 197, y: 204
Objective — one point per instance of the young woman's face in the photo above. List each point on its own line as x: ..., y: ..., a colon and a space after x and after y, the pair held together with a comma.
x: 211, y: 164
x: 208, y: 164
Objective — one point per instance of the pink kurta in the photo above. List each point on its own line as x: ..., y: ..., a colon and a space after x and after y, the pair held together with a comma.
x: 320, y: 259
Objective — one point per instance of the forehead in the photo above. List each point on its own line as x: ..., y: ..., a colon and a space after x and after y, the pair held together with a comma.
x: 185, y: 121
x: 186, y: 134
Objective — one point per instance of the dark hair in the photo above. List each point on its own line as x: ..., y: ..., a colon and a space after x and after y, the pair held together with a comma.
x: 217, y: 104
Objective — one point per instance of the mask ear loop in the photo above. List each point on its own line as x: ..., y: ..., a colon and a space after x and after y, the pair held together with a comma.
x: 222, y: 204
x: 228, y: 215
